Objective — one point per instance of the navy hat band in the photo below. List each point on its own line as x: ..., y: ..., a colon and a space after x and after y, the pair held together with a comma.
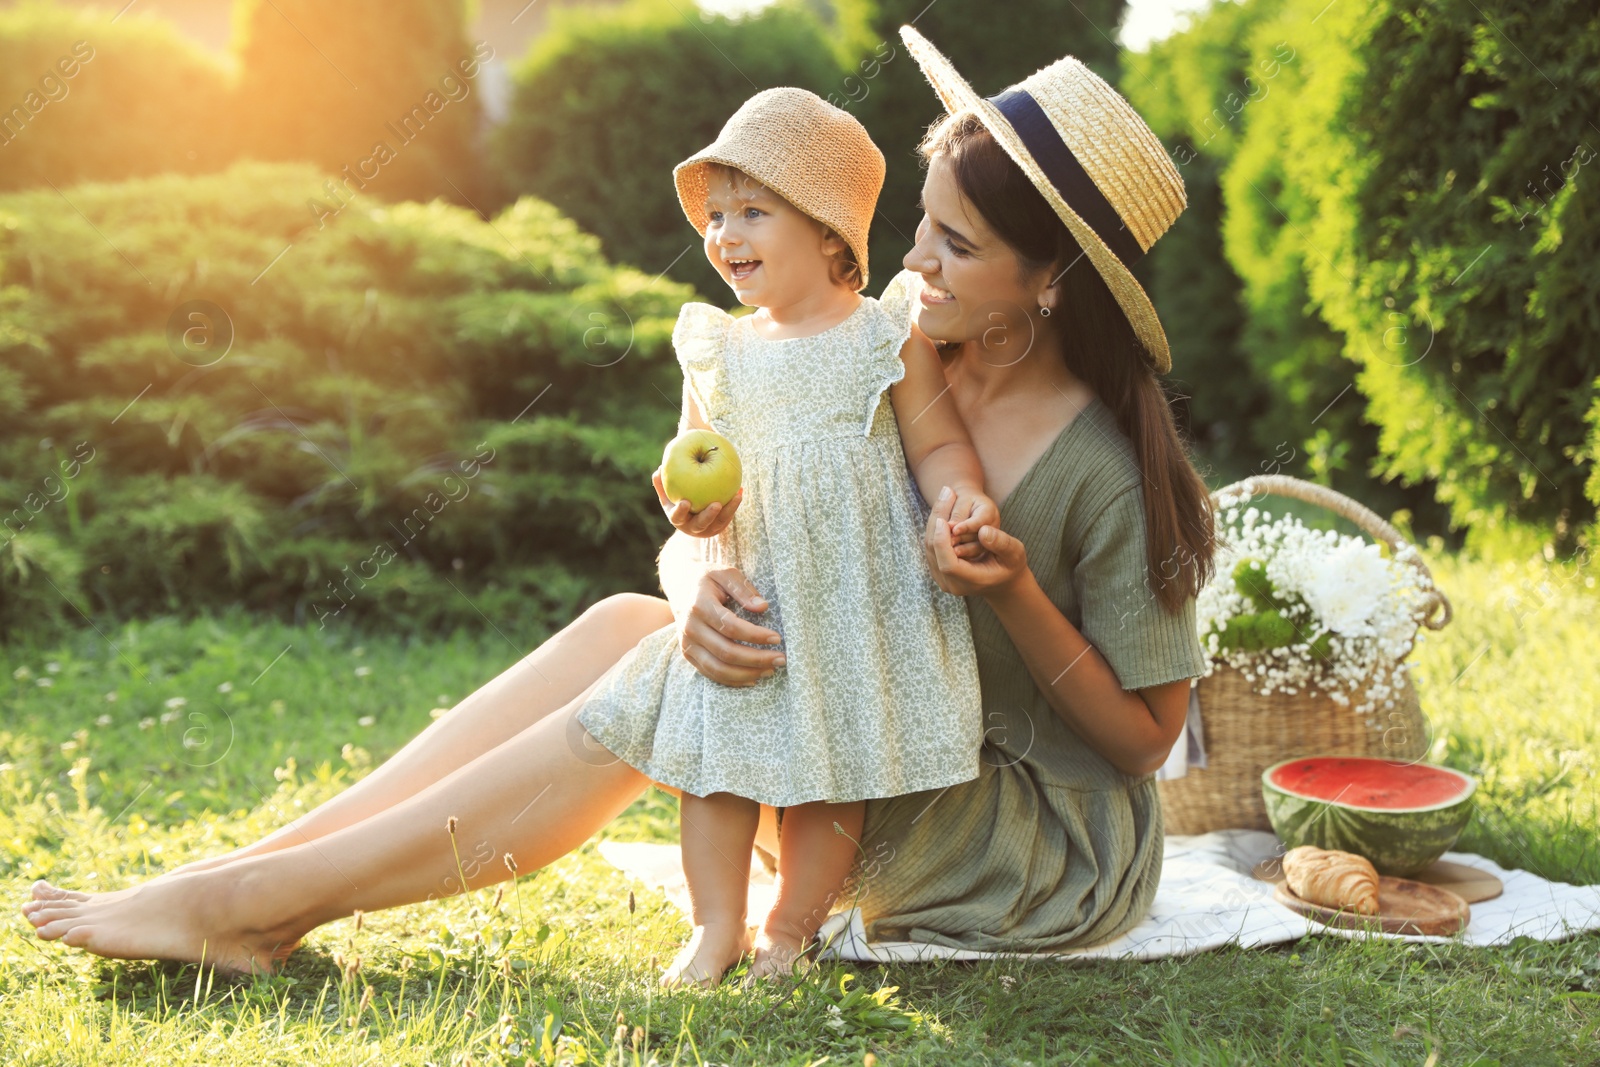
x: 1066, y: 174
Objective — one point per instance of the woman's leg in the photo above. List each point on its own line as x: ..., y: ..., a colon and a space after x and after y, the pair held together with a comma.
x: 538, y: 684
x: 812, y: 867
x: 717, y: 832
x: 535, y: 797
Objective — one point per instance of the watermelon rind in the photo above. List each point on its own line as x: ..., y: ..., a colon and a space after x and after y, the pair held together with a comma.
x: 1397, y: 842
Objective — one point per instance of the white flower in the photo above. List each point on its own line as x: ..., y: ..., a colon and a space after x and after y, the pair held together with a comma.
x: 104, y: 720
x: 363, y: 670
x: 53, y: 667
x: 225, y: 687
x: 366, y: 720
x: 1348, y: 585
x: 176, y: 702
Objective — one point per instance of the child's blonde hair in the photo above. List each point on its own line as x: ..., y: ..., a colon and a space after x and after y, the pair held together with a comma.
x: 842, y: 266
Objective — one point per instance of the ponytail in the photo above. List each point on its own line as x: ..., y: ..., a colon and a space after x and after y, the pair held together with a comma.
x: 1101, y: 348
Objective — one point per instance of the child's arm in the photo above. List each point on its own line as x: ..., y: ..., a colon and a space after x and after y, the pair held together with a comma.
x: 937, y: 445
x: 711, y: 519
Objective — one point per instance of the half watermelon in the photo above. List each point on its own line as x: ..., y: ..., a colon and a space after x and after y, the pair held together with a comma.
x: 1401, y: 816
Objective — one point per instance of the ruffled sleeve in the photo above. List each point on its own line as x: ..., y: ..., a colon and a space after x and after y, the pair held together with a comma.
x: 890, y: 327
x: 699, y: 338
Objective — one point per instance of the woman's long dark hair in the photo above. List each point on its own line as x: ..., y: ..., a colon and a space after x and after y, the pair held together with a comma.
x: 1100, y: 348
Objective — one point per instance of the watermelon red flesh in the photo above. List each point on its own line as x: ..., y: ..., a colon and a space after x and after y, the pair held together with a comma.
x: 1381, y: 785
x: 1400, y: 816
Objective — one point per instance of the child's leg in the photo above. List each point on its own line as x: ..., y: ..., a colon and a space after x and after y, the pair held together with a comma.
x: 812, y: 865
x: 717, y: 832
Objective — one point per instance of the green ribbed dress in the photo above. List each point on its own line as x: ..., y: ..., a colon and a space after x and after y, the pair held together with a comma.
x: 1050, y: 847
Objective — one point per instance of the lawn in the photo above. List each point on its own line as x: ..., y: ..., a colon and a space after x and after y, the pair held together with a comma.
x: 188, y: 737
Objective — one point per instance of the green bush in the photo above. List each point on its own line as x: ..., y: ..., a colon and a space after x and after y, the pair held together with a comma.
x: 385, y: 98
x: 609, y: 101
x: 1265, y: 387
x: 83, y: 97
x: 403, y: 413
x: 1454, y: 175
x: 1380, y: 207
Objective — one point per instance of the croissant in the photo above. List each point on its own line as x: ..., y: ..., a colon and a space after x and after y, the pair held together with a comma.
x: 1332, y: 878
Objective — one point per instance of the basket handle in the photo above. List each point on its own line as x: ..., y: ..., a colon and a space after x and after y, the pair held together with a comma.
x: 1368, y: 520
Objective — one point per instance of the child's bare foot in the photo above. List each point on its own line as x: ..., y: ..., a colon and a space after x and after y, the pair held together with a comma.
x: 711, y: 951
x: 775, y: 954
x: 190, y: 919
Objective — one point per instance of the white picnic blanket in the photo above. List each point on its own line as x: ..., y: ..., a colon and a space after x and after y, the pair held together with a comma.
x: 1207, y: 898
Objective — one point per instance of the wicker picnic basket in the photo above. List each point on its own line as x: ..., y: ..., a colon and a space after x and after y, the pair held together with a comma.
x: 1246, y: 732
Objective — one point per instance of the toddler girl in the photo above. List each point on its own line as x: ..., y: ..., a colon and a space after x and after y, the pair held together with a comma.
x: 878, y: 695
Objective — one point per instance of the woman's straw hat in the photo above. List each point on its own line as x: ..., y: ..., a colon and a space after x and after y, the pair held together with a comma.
x: 1091, y: 156
x: 814, y: 155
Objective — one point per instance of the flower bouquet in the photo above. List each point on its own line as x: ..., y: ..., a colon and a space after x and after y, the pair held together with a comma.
x: 1300, y: 609
x: 1306, y: 634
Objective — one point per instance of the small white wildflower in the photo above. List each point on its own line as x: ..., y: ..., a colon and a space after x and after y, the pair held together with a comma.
x: 177, y: 702
x: 104, y: 720
x: 146, y: 723
x: 111, y: 698
x: 225, y: 687
x: 45, y: 683
x: 363, y: 670
x: 366, y: 720
x: 22, y: 674
x: 169, y: 716
x: 53, y: 667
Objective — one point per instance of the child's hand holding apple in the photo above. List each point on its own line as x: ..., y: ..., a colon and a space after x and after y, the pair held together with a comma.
x: 699, y: 467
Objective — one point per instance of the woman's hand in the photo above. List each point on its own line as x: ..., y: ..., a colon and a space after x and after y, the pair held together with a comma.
x: 709, y: 634
x: 707, y: 522
x: 1002, y: 561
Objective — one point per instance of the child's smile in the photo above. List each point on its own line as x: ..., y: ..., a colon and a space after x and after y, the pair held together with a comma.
x: 740, y: 269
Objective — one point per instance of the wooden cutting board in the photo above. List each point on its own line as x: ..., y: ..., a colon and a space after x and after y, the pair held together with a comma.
x: 1404, y: 907
x: 1467, y: 882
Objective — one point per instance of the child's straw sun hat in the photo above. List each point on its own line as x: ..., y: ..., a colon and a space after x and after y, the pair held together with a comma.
x: 1091, y: 156
x: 814, y: 155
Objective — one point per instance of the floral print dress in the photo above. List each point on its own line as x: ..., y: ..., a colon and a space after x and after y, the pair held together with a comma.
x: 880, y: 693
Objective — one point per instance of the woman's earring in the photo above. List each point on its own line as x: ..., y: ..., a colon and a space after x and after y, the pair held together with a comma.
x: 1045, y: 312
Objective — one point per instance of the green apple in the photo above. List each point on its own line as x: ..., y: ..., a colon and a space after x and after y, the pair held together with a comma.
x: 700, y: 466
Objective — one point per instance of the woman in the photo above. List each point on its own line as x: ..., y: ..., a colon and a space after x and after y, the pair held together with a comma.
x: 1082, y: 606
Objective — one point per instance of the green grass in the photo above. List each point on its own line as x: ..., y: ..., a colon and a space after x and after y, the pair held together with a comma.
x: 105, y: 778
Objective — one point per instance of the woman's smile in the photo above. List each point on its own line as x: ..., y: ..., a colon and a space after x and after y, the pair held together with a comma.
x: 932, y: 295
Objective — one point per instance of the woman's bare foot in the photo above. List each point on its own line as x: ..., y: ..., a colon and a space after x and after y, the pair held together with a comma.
x: 191, y: 919
x: 711, y: 951
x: 211, y: 863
